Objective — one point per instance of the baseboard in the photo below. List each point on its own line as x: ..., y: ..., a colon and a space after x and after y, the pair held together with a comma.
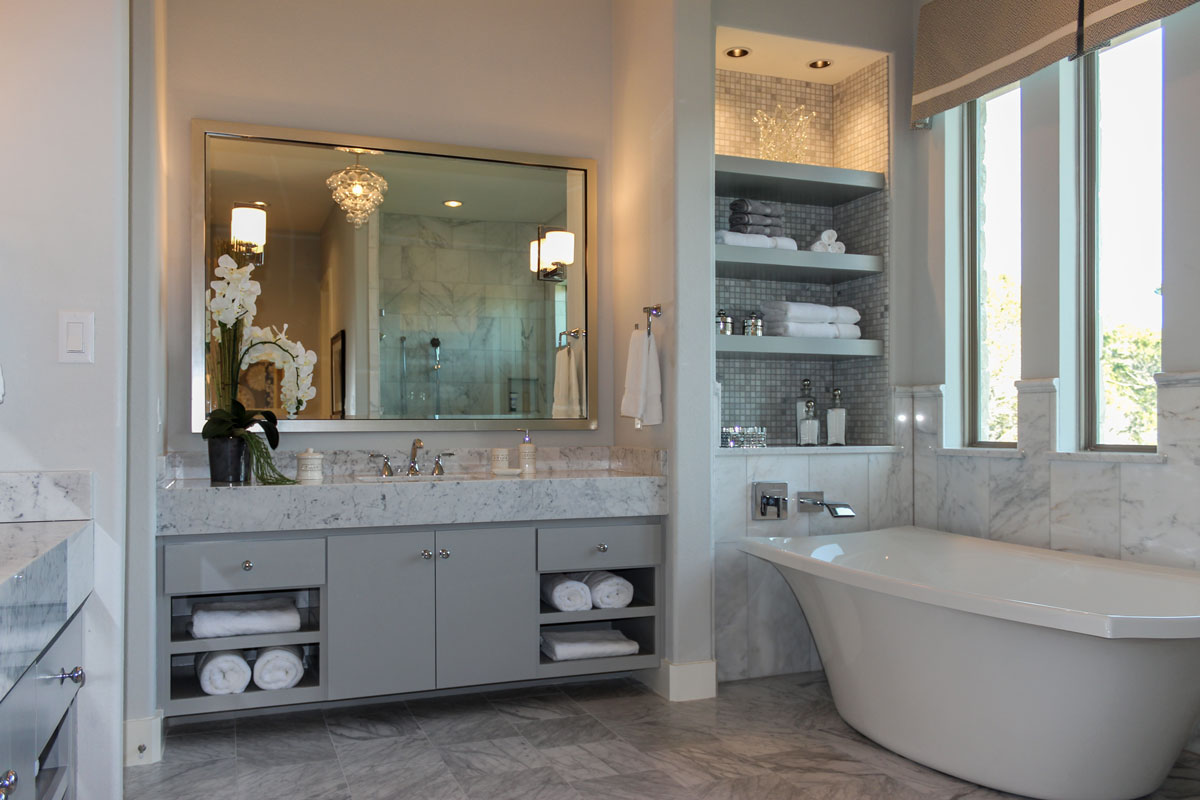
x: 144, y: 740
x: 694, y: 680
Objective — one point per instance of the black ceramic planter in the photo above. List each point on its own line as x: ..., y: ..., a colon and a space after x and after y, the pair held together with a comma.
x: 228, y: 461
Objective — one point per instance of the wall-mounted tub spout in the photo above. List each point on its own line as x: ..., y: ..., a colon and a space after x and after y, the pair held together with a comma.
x: 815, y: 501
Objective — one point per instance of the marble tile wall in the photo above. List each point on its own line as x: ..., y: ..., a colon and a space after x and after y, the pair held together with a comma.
x: 45, y: 496
x: 760, y: 629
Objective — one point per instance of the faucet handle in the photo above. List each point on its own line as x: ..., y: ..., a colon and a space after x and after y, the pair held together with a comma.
x: 386, y: 470
x: 438, y: 469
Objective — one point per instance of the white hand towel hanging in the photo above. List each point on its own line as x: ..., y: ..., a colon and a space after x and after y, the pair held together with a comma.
x: 566, y: 385
x: 643, y: 382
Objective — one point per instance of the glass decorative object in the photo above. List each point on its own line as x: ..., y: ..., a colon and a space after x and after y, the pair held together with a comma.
x: 783, y: 135
x: 356, y: 189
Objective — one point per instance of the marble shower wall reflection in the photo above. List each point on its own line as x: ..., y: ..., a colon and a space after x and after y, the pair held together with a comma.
x: 468, y: 284
x: 760, y: 629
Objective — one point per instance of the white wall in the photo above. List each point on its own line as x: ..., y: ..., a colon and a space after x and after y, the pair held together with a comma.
x: 64, y: 245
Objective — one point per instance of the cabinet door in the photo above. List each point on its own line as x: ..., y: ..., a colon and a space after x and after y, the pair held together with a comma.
x: 18, y: 745
x: 487, y: 604
x: 380, y: 592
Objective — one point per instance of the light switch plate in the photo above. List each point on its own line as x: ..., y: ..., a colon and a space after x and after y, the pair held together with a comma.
x: 77, y: 337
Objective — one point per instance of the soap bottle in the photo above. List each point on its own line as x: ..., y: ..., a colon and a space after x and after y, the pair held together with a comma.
x: 806, y: 395
x: 835, y: 420
x: 527, y: 454
x: 810, y: 426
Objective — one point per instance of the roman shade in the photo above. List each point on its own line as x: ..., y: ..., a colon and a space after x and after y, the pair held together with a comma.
x: 967, y: 48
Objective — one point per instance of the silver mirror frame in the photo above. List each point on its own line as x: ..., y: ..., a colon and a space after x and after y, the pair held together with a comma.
x: 201, y: 128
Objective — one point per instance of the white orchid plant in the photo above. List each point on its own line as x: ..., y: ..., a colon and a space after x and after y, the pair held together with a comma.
x: 235, y: 344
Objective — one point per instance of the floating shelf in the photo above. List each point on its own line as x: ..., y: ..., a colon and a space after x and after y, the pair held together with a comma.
x: 799, y: 266
x: 188, y: 698
x: 585, y: 666
x: 183, y: 642
x: 790, y: 347
x: 552, y: 616
x: 806, y: 184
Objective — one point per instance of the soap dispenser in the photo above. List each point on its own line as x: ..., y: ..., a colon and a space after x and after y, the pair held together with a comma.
x: 527, y: 454
x: 835, y: 420
x: 810, y: 426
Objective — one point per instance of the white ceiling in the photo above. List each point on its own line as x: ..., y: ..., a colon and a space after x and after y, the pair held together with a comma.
x: 290, y: 178
x: 785, y: 57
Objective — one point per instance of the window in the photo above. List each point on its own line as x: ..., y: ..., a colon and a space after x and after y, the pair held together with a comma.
x: 993, y: 264
x: 1122, y: 248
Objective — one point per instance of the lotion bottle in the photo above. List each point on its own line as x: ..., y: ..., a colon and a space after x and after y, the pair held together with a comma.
x: 835, y: 420
x: 810, y: 426
x: 806, y: 397
x: 527, y: 454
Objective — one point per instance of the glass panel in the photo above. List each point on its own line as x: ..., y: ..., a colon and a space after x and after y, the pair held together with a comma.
x: 998, y: 260
x: 1129, y: 240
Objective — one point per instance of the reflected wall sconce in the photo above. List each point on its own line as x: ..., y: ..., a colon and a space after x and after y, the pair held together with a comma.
x: 553, y: 250
x: 248, y: 231
x: 356, y: 189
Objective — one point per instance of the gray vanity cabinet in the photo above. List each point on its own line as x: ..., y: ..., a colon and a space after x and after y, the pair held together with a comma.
x: 486, y: 601
x: 381, y: 613
x: 18, y: 740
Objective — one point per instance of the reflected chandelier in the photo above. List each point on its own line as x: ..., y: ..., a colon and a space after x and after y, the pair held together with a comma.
x: 356, y: 189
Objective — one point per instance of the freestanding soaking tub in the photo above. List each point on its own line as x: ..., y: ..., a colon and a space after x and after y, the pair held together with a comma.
x: 1037, y: 672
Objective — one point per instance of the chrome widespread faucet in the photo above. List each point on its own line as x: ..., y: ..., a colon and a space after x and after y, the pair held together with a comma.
x: 386, y: 470
x: 413, y: 469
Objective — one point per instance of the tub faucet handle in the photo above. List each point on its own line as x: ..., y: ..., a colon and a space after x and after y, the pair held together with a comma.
x: 770, y: 496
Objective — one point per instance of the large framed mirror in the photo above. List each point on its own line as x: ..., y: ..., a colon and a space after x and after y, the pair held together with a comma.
x: 439, y: 287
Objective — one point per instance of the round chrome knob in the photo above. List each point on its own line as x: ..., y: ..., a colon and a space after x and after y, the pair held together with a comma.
x: 603, y: 548
x: 7, y: 783
x: 443, y: 553
x: 247, y: 565
x: 426, y: 554
x: 76, y: 676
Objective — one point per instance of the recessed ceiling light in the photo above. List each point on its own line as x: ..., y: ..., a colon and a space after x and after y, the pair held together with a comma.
x: 820, y: 63
x: 452, y: 203
x: 738, y: 52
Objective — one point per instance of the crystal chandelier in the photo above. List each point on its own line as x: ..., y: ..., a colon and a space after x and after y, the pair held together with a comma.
x: 357, y: 189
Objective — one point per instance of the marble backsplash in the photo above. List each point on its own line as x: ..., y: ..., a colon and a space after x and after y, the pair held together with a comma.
x: 45, y: 496
x: 475, y: 460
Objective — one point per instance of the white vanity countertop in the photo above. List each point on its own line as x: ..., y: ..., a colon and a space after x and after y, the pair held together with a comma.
x: 45, y: 575
x: 190, y: 506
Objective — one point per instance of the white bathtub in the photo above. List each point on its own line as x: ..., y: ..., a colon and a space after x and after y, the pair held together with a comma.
x: 1041, y: 673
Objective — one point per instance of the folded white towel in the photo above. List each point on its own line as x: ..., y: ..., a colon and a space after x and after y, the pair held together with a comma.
x: 742, y: 205
x: 222, y: 672
x: 846, y: 330
x: 845, y: 315
x: 643, y: 382
x: 608, y: 590
x: 784, y: 243
x: 570, y: 645
x: 783, y: 311
x: 829, y: 236
x: 566, y: 594
x: 566, y: 385
x: 801, y: 330
x: 237, y: 618
x: 744, y: 239
x: 278, y: 667
x: 819, y: 247
x: 838, y: 247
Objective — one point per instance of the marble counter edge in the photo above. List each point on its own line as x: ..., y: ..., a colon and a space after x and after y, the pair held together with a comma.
x: 46, y: 496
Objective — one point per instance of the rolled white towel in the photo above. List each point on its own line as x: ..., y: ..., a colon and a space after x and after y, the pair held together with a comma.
x: 278, y: 667
x: 237, y: 618
x: 845, y: 315
x: 783, y: 311
x: 819, y: 247
x: 566, y: 594
x: 801, y: 330
x: 570, y: 645
x: 837, y: 247
x: 222, y: 672
x: 744, y: 239
x: 847, y: 331
x: 784, y: 243
x: 829, y: 236
x: 608, y: 590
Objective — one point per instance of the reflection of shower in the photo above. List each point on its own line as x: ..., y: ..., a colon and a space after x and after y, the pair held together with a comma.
x: 403, y: 377
x: 436, y: 344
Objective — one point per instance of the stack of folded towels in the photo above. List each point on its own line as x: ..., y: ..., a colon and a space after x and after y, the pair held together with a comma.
x: 753, y: 223
x: 228, y: 671
x: 828, y: 243
x: 810, y: 320
x: 580, y: 591
x: 572, y: 644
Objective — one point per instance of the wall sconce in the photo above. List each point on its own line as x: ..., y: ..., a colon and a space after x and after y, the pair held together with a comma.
x: 248, y: 231
x: 550, y: 252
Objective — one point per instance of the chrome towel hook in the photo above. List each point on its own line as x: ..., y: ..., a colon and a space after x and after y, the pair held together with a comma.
x: 651, y: 312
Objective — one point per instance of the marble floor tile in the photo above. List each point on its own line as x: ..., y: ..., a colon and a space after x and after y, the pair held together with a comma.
x: 392, y: 769
x: 581, y: 762
x: 185, y: 747
x: 700, y: 765
x: 491, y: 757
x: 752, y: 787
x: 635, y: 786
x: 567, y: 730
x: 322, y: 779
x: 284, y: 739
x: 371, y: 722
x: 461, y: 720
x: 189, y: 780
x: 537, y: 707
x: 655, y: 734
x: 530, y: 784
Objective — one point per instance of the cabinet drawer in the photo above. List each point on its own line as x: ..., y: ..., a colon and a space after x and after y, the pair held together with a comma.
x: 222, y: 566
x: 53, y: 694
x: 599, y: 547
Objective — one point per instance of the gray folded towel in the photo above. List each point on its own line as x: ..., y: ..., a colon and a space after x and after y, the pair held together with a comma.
x: 754, y: 207
x: 765, y: 230
x: 754, y: 219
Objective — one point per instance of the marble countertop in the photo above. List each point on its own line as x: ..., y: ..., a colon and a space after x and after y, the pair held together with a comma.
x: 193, y: 506
x: 45, y: 575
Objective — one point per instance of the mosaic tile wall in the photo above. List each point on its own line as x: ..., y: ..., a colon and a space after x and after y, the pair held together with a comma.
x: 740, y: 94
x: 762, y: 391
